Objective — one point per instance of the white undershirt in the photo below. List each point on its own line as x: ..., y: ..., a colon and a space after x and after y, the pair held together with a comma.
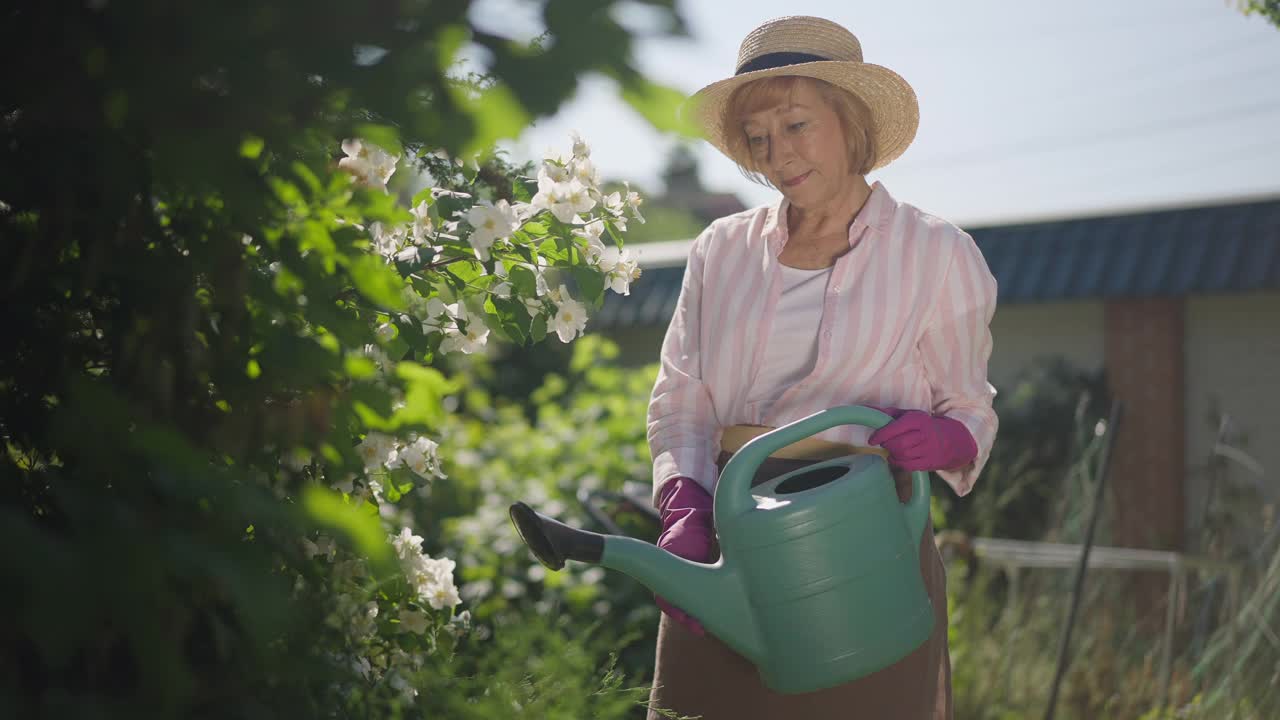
x: 791, y: 349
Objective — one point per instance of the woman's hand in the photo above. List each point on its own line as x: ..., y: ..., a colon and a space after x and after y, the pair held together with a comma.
x: 687, y: 531
x: 917, y: 440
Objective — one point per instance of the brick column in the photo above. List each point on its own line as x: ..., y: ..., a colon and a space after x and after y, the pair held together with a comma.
x: 1145, y: 370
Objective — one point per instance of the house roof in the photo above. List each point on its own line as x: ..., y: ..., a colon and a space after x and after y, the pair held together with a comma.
x: 1225, y: 248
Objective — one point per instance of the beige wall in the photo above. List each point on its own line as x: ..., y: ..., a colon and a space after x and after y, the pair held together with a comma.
x: 1023, y: 332
x: 1233, y: 363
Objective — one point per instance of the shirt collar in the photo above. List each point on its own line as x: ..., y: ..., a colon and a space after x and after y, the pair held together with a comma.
x: 875, y: 214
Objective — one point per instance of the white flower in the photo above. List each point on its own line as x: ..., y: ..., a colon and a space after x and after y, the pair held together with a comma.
x: 370, y: 164
x: 432, y: 313
x: 556, y: 168
x: 387, y: 242
x: 441, y: 596
x: 471, y: 340
x: 621, y: 273
x: 414, y: 621
x: 564, y: 199
x: 540, y: 277
x: 577, y: 198
x: 376, y: 449
x: 633, y: 200
x: 585, y: 172
x: 362, y: 667
x: 580, y: 147
x: 422, y: 226
x: 591, y: 232
x: 502, y: 290
x: 571, y: 316
x: 408, y: 546
x: 432, y: 579
x: 524, y: 211
x: 382, y: 363
x: 385, y: 331
x: 490, y: 223
x: 420, y: 457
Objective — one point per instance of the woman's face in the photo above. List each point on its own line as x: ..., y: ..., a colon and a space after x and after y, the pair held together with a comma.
x: 800, y: 146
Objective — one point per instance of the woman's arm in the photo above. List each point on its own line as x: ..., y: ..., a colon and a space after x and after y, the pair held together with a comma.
x: 955, y: 348
x: 681, y: 419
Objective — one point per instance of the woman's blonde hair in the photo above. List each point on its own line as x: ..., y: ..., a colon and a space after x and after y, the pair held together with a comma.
x: 855, y: 119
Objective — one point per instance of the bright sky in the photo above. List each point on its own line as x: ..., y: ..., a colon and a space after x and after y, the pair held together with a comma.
x: 1028, y: 109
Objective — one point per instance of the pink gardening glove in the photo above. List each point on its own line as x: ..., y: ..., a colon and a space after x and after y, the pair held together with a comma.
x: 917, y: 440
x: 687, y: 531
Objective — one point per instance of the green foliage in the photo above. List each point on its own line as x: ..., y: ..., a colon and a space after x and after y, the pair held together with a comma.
x: 1028, y: 487
x: 583, y: 637
x: 201, y: 324
x: 1269, y: 9
x: 586, y: 434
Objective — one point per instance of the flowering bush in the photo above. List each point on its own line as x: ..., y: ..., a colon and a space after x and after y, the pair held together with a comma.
x: 465, y: 268
x: 230, y: 318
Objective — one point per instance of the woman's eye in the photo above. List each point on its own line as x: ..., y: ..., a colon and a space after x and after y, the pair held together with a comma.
x: 798, y: 125
x: 757, y: 140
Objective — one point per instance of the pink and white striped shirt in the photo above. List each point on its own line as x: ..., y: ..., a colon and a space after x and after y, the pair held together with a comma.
x: 905, y: 323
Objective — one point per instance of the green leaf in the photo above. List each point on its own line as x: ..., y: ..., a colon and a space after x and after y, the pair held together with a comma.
x: 313, y: 183
x: 330, y: 509
x: 425, y: 389
x: 359, y: 367
x: 550, y: 249
x: 423, y: 194
x: 523, y: 280
x: 535, y: 228
x: 287, y: 193
x: 497, y: 115
x: 520, y: 190
x: 251, y: 147
x: 378, y: 282
x: 664, y: 107
x: 396, y: 347
x: 538, y: 329
x: 590, y: 283
x: 449, y: 42
x: 510, y: 313
x: 466, y: 271
x: 315, y: 237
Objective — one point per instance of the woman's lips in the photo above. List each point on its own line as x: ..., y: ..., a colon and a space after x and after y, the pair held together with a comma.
x: 796, y: 180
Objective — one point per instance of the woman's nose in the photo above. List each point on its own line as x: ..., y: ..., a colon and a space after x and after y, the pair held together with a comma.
x: 781, y: 151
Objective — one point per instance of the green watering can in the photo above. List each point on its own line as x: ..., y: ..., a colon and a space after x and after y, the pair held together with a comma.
x: 818, y: 582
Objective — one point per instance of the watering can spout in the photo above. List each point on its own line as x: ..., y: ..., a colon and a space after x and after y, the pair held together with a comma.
x: 553, y: 542
x: 712, y: 593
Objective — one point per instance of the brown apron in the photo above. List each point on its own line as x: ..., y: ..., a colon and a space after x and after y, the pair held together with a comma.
x: 701, y: 677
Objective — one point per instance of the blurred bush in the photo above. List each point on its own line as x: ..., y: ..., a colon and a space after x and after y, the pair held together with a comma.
x: 205, y: 332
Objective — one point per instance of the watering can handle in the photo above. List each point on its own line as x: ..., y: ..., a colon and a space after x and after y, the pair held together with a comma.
x: 733, y: 491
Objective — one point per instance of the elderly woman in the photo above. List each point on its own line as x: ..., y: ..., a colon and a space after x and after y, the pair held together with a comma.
x: 837, y: 294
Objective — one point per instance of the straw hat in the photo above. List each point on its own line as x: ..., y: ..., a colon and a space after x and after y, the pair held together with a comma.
x: 816, y: 48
